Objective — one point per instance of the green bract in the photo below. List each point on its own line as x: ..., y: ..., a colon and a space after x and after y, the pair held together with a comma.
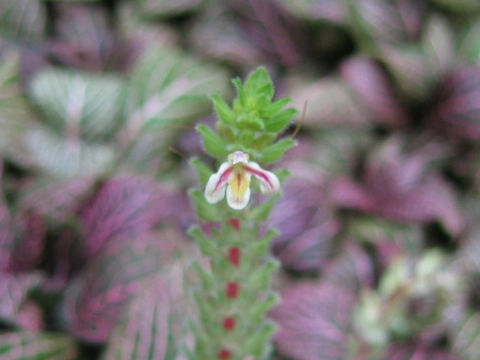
x: 252, y: 123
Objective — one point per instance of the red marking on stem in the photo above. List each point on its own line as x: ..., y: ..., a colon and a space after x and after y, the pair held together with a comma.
x: 235, y: 223
x: 235, y: 255
x: 259, y: 174
x: 231, y: 290
x: 229, y: 323
x: 224, y: 354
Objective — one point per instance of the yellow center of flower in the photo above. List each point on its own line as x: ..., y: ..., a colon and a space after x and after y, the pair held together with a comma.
x: 239, y: 182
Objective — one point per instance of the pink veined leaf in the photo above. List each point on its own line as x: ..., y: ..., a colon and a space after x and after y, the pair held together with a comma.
x: 14, y: 290
x: 307, y: 228
x: 314, y: 320
x: 37, y: 345
x: 95, y: 300
x: 21, y: 238
x: 321, y: 10
x: 271, y: 29
x: 124, y: 205
x: 27, y: 243
x: 84, y: 40
x: 401, y: 188
x: 315, y: 317
x: 457, y: 109
x: 391, y: 21
x: 372, y: 86
x: 418, y: 352
x: 143, y: 330
x: 56, y: 200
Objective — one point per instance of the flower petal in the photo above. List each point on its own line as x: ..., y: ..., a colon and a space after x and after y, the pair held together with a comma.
x: 269, y: 182
x: 237, y: 203
x: 215, y: 189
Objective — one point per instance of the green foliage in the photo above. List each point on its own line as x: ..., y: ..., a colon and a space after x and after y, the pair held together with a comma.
x: 76, y: 101
x: 253, y: 121
x: 30, y: 345
x: 23, y: 20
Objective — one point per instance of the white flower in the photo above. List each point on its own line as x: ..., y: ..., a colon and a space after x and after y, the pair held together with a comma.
x: 233, y: 177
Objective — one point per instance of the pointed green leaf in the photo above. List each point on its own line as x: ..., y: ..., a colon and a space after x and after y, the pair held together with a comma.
x: 259, y: 82
x: 276, y: 106
x: 258, y: 344
x: 213, y: 143
x: 264, y: 140
x: 274, y: 152
x: 261, y: 278
x: 278, y: 122
x: 207, y: 245
x: 203, y: 170
x: 223, y: 110
x: 258, y: 248
x: 261, y: 212
x: 241, y: 94
x: 256, y: 312
x: 205, y: 211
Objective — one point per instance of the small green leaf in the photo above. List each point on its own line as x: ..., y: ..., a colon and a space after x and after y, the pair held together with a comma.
x: 213, y: 143
x: 207, y: 246
x: 208, y: 281
x: 274, y: 152
x: 278, y: 122
x: 259, y: 248
x: 251, y: 122
x: 258, y: 342
x: 258, y: 83
x: 256, y: 312
x: 205, y: 210
x: 260, y: 279
x: 276, y: 106
x: 260, y: 213
x: 223, y: 110
x: 242, y: 98
x: 282, y: 174
x: 203, y: 170
x: 264, y: 140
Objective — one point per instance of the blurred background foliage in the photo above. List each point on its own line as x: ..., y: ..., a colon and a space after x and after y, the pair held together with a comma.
x: 380, y: 241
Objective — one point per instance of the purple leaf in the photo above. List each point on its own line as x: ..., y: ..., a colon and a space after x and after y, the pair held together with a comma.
x: 457, y: 109
x: 85, y: 41
x: 417, y: 352
x: 315, y: 317
x: 398, y: 187
x: 56, y: 200
x: 307, y: 227
x: 218, y: 37
x: 27, y: 243
x: 314, y: 321
x: 320, y: 10
x: 14, y: 291
x: 391, y: 21
x: 271, y: 29
x: 37, y: 345
x: 372, y: 86
x: 125, y: 205
x: 95, y: 300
